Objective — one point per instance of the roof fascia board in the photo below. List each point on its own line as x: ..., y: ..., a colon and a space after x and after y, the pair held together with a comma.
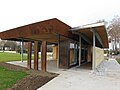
x: 87, y: 26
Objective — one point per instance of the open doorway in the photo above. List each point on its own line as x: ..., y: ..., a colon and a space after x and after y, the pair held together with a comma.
x: 84, y: 53
x: 52, y: 57
x: 86, y: 57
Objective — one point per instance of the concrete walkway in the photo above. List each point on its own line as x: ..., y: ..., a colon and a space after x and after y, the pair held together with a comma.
x: 80, y: 79
x: 77, y: 79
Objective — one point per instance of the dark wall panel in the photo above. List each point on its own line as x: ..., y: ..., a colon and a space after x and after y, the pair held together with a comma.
x: 64, y: 54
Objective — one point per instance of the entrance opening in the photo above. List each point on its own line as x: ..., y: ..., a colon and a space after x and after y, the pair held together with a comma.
x: 84, y: 51
x: 86, y: 57
x: 52, y: 57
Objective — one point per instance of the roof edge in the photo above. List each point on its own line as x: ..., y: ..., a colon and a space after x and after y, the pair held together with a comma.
x: 88, y: 26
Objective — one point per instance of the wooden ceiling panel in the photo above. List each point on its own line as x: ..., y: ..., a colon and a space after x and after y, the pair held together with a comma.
x: 100, y: 30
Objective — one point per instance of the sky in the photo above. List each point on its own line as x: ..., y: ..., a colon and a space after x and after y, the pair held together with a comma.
x: 15, y: 13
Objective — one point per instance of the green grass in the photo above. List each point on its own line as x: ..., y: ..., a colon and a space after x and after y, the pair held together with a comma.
x: 118, y: 60
x: 6, y: 57
x: 9, y: 77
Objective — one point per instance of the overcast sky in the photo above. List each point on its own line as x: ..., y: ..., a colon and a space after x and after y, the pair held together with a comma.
x: 15, y: 13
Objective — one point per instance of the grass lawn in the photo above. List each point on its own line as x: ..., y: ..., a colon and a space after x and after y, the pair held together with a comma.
x: 9, y: 77
x: 6, y: 57
x: 118, y: 60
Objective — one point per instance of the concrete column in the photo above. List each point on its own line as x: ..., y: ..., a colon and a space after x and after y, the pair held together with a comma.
x: 94, y: 51
x: 36, y: 55
x: 43, y: 56
x: 22, y: 50
x: 79, y: 49
x: 29, y: 55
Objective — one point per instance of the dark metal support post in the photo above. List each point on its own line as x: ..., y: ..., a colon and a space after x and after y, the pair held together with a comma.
x: 79, y: 49
x: 58, y: 51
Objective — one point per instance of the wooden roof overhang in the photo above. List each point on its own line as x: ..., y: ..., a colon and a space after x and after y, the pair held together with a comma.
x: 100, y: 31
x: 48, y: 30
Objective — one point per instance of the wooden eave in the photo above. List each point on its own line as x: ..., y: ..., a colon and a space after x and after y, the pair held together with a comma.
x: 87, y: 31
x: 45, y: 30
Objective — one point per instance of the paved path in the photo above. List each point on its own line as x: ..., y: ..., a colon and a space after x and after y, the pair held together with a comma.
x: 80, y: 79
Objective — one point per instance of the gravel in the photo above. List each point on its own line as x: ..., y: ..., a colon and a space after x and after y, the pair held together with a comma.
x: 108, y: 67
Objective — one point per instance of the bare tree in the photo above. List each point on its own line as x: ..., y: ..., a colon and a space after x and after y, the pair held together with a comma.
x: 11, y: 45
x: 114, y: 32
x: 2, y: 45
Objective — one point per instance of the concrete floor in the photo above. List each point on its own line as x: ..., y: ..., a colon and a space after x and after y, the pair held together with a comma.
x: 81, y: 79
x: 77, y: 78
x: 51, y: 65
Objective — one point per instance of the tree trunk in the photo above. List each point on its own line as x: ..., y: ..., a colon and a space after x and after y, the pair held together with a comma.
x: 119, y: 45
x: 112, y: 45
x: 3, y: 48
x: 115, y: 46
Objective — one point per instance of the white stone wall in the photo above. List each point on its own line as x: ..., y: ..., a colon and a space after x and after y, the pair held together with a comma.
x: 99, y: 56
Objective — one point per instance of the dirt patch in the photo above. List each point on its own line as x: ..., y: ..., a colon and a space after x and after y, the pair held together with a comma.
x: 13, y: 67
x: 32, y: 81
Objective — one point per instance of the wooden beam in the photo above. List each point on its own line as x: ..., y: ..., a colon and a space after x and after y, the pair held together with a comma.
x: 83, y: 36
x: 99, y: 38
x: 86, y: 39
x: 29, y: 55
x: 43, y: 56
x: 36, y: 55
